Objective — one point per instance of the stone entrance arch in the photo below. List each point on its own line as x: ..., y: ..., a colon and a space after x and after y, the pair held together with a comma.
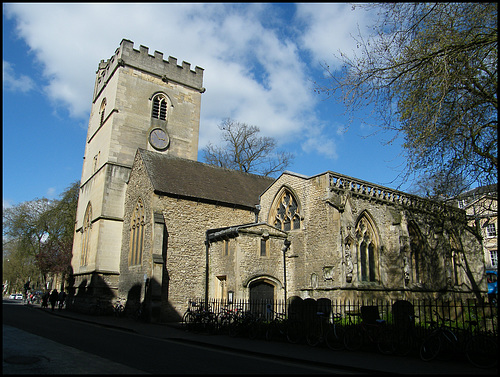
x: 261, y: 290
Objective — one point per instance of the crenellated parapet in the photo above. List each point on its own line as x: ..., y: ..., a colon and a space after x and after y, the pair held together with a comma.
x: 167, y: 70
x: 341, y: 184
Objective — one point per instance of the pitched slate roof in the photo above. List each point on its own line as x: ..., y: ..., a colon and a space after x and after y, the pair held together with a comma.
x: 192, y: 179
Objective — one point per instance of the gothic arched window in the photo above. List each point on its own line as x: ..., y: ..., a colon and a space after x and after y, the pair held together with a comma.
x: 137, y: 223
x: 367, y: 245
x: 86, y: 228
x: 159, y: 107
x: 285, y: 215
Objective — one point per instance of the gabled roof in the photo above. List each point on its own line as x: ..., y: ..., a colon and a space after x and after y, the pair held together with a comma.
x: 180, y: 177
x: 479, y: 191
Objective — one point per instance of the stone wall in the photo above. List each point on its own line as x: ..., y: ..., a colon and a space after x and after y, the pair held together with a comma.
x: 186, y: 222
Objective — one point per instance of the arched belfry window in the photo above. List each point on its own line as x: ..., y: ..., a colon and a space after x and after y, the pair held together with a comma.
x: 367, y: 248
x: 160, y: 106
x: 102, y: 111
x: 137, y: 223
x: 285, y: 214
x: 86, y: 228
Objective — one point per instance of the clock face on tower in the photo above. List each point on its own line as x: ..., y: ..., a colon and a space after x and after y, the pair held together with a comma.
x: 159, y: 139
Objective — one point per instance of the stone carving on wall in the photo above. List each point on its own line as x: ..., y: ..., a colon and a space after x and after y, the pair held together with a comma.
x: 348, y: 263
x: 328, y: 272
x: 314, y: 280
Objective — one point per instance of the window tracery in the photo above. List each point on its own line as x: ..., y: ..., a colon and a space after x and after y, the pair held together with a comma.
x: 159, y: 110
x: 87, y: 227
x: 287, y: 212
x: 367, y: 245
x: 137, y: 223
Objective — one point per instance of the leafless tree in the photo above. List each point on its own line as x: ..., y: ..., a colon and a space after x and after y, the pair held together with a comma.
x: 246, y: 151
x: 429, y: 75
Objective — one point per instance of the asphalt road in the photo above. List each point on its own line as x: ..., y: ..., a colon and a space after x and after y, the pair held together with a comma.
x: 36, y: 342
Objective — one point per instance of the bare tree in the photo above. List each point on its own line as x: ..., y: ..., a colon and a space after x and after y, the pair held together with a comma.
x: 429, y: 73
x: 246, y: 151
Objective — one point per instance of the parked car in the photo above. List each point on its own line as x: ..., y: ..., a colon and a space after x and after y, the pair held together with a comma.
x: 19, y: 296
x: 12, y: 296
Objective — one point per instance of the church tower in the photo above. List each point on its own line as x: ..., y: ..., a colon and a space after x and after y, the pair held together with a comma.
x: 139, y: 101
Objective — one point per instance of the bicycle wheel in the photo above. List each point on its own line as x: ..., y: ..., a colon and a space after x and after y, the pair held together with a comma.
x: 119, y: 309
x: 449, y: 345
x: 482, y: 351
x: 385, y: 341
x: 255, y: 329
x: 353, y: 339
x: 210, y: 323
x: 294, y: 332
x: 335, y: 338
x: 313, y: 335
x: 188, y: 321
x: 272, y: 331
x: 235, y: 328
x: 430, y: 347
x: 222, y: 322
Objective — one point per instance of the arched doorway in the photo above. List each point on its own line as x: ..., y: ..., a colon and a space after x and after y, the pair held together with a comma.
x: 261, y: 290
x: 261, y: 295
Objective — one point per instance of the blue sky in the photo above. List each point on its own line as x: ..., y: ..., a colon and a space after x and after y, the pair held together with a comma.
x: 260, y: 62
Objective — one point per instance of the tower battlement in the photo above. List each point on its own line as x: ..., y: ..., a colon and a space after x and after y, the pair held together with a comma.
x: 167, y: 70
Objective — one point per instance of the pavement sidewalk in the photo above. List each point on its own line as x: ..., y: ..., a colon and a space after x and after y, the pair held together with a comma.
x: 351, y: 362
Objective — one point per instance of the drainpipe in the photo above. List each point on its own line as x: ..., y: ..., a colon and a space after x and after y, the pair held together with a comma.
x: 207, y: 246
x: 286, y: 246
x: 257, y: 211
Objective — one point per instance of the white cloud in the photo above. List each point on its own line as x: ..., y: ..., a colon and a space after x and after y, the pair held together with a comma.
x: 253, y: 72
x: 15, y: 82
x: 330, y: 28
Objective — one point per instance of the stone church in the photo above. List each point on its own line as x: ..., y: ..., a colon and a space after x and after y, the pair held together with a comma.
x: 156, y: 226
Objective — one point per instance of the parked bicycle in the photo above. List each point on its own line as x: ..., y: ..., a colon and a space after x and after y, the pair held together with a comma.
x: 240, y: 323
x: 118, y: 308
x: 224, y: 318
x: 317, y: 329
x: 199, y: 317
x: 442, y: 341
x: 334, y: 338
x: 281, y: 327
x: 480, y: 349
x: 371, y: 330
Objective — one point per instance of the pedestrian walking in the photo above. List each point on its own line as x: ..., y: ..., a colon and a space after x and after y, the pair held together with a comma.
x: 62, y: 298
x: 54, y: 296
x: 45, y: 299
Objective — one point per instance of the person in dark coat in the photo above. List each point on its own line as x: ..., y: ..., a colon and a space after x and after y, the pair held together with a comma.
x: 54, y: 296
x: 45, y: 299
x: 62, y: 297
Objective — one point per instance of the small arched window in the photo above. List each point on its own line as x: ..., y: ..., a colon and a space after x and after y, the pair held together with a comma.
x: 102, y: 111
x: 137, y: 223
x: 86, y: 228
x: 285, y: 215
x: 159, y: 110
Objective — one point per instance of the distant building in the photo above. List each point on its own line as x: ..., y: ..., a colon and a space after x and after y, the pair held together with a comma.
x: 155, y: 226
x: 481, y: 207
